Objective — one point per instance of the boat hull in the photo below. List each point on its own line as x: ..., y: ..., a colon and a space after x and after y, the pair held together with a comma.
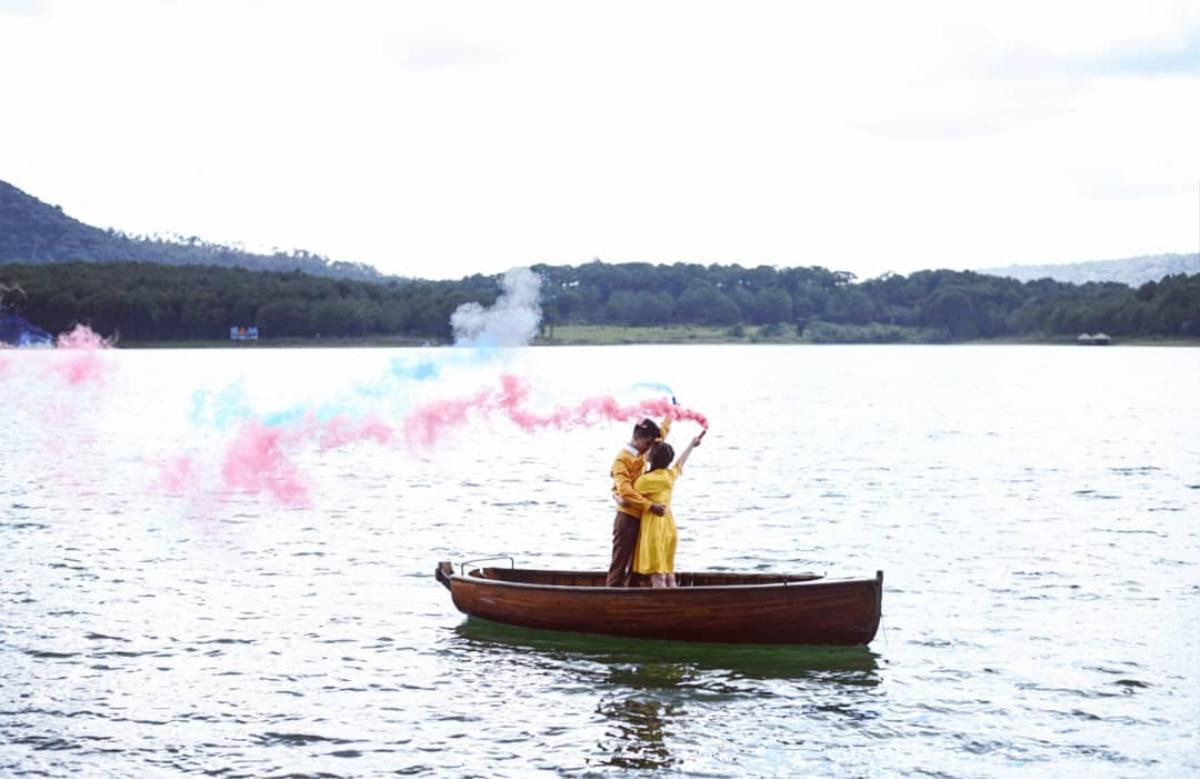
x: 763, y: 609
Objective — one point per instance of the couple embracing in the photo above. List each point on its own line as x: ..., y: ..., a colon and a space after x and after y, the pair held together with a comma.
x: 644, y: 535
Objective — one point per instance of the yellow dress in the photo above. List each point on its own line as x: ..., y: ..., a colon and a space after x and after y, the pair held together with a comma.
x: 657, y: 537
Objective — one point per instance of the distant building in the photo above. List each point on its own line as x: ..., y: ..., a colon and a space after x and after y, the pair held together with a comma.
x: 242, y: 333
x: 1096, y: 339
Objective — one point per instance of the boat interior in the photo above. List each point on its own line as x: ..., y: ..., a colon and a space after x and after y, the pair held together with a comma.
x: 596, y: 578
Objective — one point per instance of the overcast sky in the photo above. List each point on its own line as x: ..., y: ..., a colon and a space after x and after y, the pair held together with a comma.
x: 438, y: 139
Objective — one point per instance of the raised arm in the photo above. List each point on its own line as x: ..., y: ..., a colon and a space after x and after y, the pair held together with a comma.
x: 688, y: 452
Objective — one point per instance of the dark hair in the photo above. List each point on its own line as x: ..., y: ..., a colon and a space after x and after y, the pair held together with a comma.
x: 661, y: 456
x: 646, y: 429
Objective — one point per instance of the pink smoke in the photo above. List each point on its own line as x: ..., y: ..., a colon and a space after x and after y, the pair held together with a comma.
x: 343, y: 430
x: 82, y: 337
x: 74, y: 369
x: 426, y: 425
x: 176, y: 474
x: 259, y: 460
x: 85, y: 367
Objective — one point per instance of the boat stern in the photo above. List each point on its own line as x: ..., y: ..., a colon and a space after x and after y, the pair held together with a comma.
x: 443, y: 572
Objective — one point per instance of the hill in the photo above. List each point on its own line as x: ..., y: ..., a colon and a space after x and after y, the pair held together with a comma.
x: 1132, y: 271
x: 37, y: 233
x: 61, y: 271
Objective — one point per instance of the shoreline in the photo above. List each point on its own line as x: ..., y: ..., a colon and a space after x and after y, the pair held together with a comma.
x: 607, y: 335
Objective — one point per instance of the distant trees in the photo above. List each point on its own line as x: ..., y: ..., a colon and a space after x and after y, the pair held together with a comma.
x: 771, y: 306
x: 144, y: 301
x: 153, y: 301
x: 176, y: 287
x: 288, y: 317
x: 934, y: 304
x: 703, y: 303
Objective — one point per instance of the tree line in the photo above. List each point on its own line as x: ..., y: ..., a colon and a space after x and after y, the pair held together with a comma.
x: 150, y: 301
x: 941, y: 304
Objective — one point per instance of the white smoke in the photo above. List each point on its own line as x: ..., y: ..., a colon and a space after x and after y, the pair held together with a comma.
x: 511, y: 321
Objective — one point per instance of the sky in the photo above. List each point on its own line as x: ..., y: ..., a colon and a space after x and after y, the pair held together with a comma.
x: 440, y: 139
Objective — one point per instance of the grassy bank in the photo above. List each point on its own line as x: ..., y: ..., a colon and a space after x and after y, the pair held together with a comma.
x: 615, y: 335
x: 817, y: 332
x: 619, y: 334
x: 366, y: 341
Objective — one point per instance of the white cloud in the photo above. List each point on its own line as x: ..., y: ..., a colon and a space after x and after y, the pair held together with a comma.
x: 441, y: 139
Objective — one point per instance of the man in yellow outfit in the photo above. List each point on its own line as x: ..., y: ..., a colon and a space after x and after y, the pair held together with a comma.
x: 629, y: 465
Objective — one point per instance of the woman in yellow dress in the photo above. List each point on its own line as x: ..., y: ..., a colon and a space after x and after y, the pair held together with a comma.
x: 657, y: 539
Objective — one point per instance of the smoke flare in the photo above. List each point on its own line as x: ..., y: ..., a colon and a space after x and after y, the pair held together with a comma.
x: 426, y: 425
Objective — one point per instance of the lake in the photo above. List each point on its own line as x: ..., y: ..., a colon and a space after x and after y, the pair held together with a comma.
x: 1035, y: 510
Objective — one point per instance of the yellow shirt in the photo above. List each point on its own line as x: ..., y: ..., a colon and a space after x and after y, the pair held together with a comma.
x: 626, y: 469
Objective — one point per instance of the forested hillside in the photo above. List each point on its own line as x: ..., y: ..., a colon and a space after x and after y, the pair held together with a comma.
x: 36, y: 233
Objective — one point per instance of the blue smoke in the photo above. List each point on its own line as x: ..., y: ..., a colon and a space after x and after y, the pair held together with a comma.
x: 222, y: 408
x: 657, y: 388
x: 654, y: 386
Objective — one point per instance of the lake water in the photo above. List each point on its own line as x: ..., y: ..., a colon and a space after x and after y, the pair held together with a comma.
x: 1036, y: 511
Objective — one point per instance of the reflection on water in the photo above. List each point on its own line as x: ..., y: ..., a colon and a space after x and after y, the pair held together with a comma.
x: 636, y: 738
x: 842, y: 665
x: 651, y: 692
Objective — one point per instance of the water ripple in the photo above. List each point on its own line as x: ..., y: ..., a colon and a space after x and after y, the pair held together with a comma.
x: 1039, y: 615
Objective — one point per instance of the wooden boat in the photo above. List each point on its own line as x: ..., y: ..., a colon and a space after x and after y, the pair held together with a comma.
x: 736, y: 608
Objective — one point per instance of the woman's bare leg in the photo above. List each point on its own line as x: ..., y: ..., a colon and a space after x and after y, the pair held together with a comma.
x: 671, y: 580
x: 658, y: 580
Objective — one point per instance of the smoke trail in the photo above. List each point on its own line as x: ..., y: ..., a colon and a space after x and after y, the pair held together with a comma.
x: 220, y: 408
x: 258, y: 455
x: 224, y: 407
x: 258, y: 459
x: 426, y: 425
x: 513, y: 319
x: 650, y: 385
